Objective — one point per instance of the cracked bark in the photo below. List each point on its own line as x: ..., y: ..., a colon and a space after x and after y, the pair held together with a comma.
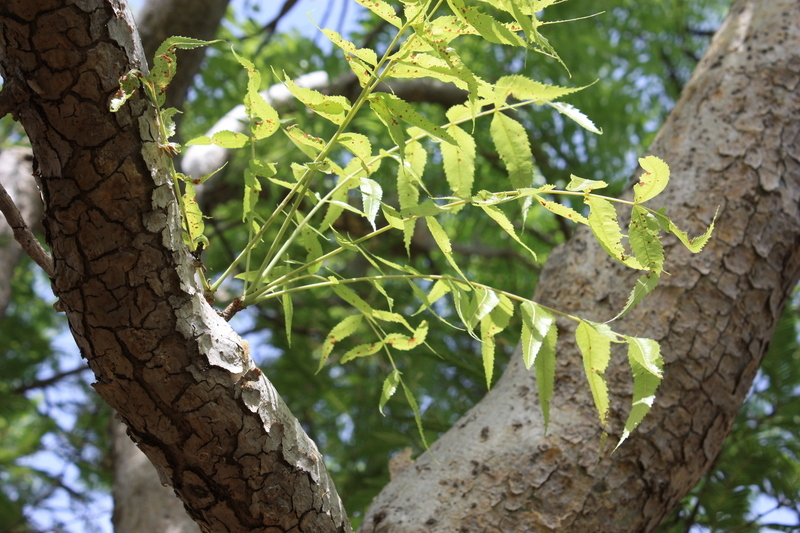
x: 732, y: 141
x: 179, y: 377
x: 141, y: 502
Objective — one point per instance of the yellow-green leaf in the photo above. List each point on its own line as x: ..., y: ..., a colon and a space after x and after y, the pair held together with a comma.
x: 596, y: 349
x: 459, y: 162
x: 365, y: 54
x: 536, y: 322
x: 643, y: 233
x: 361, y: 350
x: 561, y: 210
x: 498, y: 216
x: 653, y: 181
x: 604, y: 225
x: 224, y: 138
x: 343, y: 329
x: 545, y: 365
x: 511, y: 141
x: 402, y: 110
x: 333, y: 108
x: 383, y: 10
x: 389, y: 388
x: 346, y: 294
x: 646, y: 365
x: 405, y: 342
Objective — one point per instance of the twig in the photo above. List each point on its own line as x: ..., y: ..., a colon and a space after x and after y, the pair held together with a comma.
x: 23, y: 234
x: 49, y: 381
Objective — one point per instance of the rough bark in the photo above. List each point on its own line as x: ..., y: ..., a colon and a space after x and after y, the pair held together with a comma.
x: 732, y: 141
x: 177, y: 374
x: 141, y: 502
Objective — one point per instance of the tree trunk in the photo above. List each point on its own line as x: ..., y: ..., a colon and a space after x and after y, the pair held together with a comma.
x: 141, y: 502
x: 181, y: 379
x: 215, y: 428
x: 733, y: 141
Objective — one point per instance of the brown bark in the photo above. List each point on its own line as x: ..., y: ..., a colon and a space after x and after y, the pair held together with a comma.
x: 180, y: 378
x: 732, y: 141
x: 141, y: 502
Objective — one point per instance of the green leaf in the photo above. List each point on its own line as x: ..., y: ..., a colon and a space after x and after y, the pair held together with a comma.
x: 643, y: 233
x: 580, y: 184
x: 288, y: 314
x: 383, y: 10
x: 362, y: 350
x: 363, y: 72
x: 443, y: 242
x: 536, y: 322
x: 604, y: 225
x: 194, y: 218
x: 389, y: 388
x: 491, y: 324
x: 165, y: 64
x: 264, y: 120
x: 653, y: 181
x: 343, y: 329
x: 647, y: 353
x: 502, y: 221
x: 694, y: 245
x: 459, y: 162
x: 405, y: 342
x: 523, y: 88
x: 574, y: 113
x: 545, y: 365
x: 402, y: 110
x: 644, y: 357
x: 417, y: 417
x: 511, y: 141
x: 128, y: 83
x: 333, y: 108
x: 371, y: 196
x: 644, y: 286
x: 310, y: 241
x: 252, y: 186
x: 364, y: 54
x: 308, y: 144
x: 561, y: 210
x: 486, y: 300
x: 596, y: 349
x: 346, y: 294
x: 358, y: 145
x: 486, y: 26
x: 224, y: 138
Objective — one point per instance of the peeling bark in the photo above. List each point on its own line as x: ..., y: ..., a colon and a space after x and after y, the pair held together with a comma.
x: 732, y: 141
x: 178, y: 375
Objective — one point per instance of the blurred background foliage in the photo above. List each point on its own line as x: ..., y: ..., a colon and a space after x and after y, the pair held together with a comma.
x: 54, y: 464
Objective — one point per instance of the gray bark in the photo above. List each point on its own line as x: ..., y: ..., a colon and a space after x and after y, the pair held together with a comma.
x: 732, y: 141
